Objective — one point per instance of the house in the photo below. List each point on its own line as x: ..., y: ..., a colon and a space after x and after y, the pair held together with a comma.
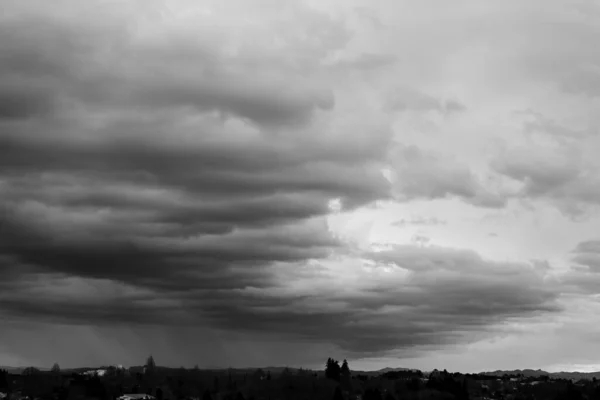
x: 136, y: 396
x: 98, y: 372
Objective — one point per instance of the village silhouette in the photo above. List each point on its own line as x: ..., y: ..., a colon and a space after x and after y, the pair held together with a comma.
x: 335, y: 381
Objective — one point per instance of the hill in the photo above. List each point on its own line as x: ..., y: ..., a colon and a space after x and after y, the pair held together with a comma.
x: 387, y: 369
x: 19, y: 370
x: 530, y: 373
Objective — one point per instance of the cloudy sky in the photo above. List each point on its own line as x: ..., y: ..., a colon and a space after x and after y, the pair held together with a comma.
x: 265, y: 182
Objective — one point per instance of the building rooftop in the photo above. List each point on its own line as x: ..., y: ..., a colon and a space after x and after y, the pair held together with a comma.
x: 136, y: 396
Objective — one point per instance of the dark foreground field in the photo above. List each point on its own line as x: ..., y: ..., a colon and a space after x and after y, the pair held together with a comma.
x: 334, y: 382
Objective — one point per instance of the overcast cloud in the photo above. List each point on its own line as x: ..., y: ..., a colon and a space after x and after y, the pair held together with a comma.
x: 228, y: 182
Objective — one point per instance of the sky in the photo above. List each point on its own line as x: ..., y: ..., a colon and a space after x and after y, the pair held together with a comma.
x: 246, y: 183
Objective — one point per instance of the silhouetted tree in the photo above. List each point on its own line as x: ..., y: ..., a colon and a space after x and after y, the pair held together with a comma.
x: 345, y: 378
x: 31, y: 371
x: 55, y: 369
x: 31, y: 381
x: 206, y: 395
x: 333, y: 369
x: 345, y: 369
x: 150, y: 365
x: 4, y: 384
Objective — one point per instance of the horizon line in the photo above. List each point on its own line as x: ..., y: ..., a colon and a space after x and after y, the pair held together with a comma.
x: 308, y: 368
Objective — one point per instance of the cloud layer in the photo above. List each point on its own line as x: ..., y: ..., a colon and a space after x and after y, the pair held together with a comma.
x: 152, y: 178
x: 183, y: 165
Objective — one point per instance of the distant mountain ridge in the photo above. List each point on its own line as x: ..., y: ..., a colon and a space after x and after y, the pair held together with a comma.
x: 530, y: 373
x: 19, y: 370
x: 525, y: 372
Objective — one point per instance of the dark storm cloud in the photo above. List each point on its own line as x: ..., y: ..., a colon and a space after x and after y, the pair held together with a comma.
x: 234, y: 172
x: 105, y: 68
x: 127, y: 313
x: 173, y: 182
x: 446, y: 295
x: 127, y: 250
x: 168, y: 166
x: 450, y: 290
x: 22, y: 102
x: 123, y: 180
x: 430, y: 297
